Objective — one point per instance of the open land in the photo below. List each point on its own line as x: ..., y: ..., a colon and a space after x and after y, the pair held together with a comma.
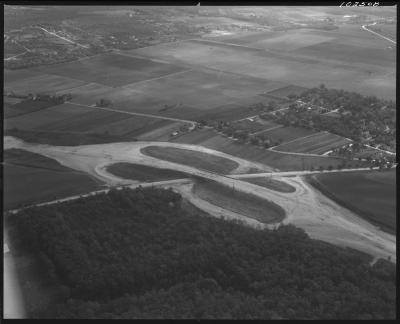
x: 241, y: 203
x: 31, y: 178
x: 320, y: 216
x: 270, y: 183
x: 187, y: 76
x: 371, y: 194
x: 315, y: 144
x: 143, y: 173
x: 274, y: 159
x: 193, y: 158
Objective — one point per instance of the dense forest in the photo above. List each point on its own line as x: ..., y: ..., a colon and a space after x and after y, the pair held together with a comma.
x: 140, y: 254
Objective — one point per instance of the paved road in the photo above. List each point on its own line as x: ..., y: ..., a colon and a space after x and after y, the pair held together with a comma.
x: 365, y: 27
x: 191, y: 122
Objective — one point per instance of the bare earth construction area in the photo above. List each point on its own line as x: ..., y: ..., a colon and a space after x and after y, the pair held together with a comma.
x: 321, y: 217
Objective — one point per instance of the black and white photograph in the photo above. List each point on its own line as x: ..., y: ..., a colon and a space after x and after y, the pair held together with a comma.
x: 199, y: 161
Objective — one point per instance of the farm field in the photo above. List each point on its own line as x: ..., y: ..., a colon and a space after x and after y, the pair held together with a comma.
x: 190, y: 94
x: 280, y: 40
x: 371, y: 194
x: 111, y: 69
x: 285, y: 91
x: 270, y: 183
x: 160, y: 133
x: 245, y: 204
x: 48, y: 116
x: 315, y: 144
x: 31, y: 178
x: 192, y: 158
x: 40, y: 82
x: 69, y: 118
x: 26, y: 107
x: 367, y: 76
x: 252, y: 126
x: 144, y: 173
x: 274, y: 159
x: 286, y: 134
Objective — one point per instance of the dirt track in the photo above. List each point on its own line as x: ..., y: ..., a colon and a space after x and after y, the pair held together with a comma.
x: 319, y: 216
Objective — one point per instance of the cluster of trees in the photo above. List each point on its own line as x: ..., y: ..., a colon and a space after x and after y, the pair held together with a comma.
x: 362, y: 118
x: 376, y: 159
x: 104, y: 103
x: 139, y: 254
x: 244, y: 136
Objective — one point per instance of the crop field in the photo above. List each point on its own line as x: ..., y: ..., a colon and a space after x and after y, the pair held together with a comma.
x: 191, y: 158
x: 87, y: 93
x: 26, y: 107
x: 371, y: 194
x: 72, y: 119
x: 245, y: 204
x: 346, y: 58
x: 160, y: 132
x: 31, y: 178
x: 388, y: 30
x: 274, y: 159
x: 41, y: 83
x: 111, y: 69
x: 27, y: 185
x: 190, y: 93
x: 286, y: 134
x: 336, y: 50
x: 315, y: 144
x: 227, y: 112
x: 270, y: 183
x: 285, y: 91
x: 281, y: 40
x: 48, y: 116
x: 251, y: 126
x: 144, y: 173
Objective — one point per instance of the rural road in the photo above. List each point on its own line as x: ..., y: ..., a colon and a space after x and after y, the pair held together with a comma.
x: 63, y: 38
x: 319, y: 216
x: 191, y: 122
x: 365, y: 27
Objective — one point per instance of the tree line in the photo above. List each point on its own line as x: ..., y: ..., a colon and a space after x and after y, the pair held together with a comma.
x: 140, y: 254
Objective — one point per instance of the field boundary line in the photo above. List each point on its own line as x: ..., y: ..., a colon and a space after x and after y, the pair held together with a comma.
x: 163, y: 76
x: 193, y: 123
x: 266, y: 130
x: 299, y: 138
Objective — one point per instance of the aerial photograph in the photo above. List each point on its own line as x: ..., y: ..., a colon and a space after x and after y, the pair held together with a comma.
x: 199, y: 161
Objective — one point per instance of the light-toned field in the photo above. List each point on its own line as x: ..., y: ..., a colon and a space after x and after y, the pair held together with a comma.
x: 347, y: 58
x: 315, y: 144
x: 281, y: 40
